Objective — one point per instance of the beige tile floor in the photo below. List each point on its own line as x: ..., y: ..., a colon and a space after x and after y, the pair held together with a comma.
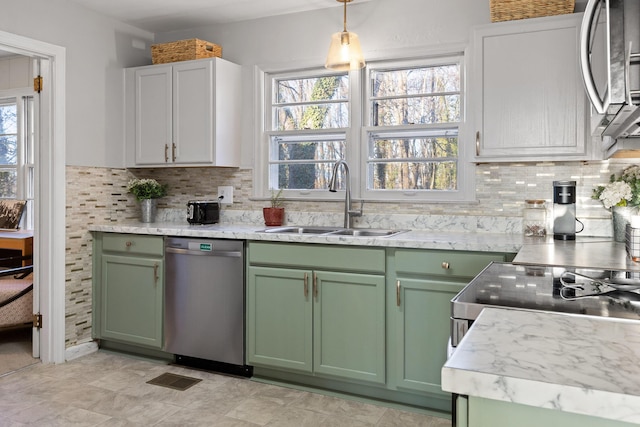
x: 106, y: 389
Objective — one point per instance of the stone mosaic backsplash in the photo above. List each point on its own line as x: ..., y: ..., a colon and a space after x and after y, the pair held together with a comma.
x: 98, y: 195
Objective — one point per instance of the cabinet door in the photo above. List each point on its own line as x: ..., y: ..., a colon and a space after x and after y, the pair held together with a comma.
x: 153, y: 115
x: 527, y: 95
x: 349, y: 326
x: 193, y: 95
x: 131, y: 299
x: 421, y: 310
x: 279, y: 318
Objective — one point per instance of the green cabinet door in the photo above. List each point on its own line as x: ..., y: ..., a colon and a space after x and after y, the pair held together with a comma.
x: 421, y: 310
x: 132, y: 299
x: 279, y: 318
x: 349, y: 326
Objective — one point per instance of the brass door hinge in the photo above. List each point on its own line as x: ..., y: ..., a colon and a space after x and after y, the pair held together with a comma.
x: 37, y: 320
x: 37, y: 84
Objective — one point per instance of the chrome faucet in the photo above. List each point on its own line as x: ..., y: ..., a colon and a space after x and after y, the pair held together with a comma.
x: 333, y: 186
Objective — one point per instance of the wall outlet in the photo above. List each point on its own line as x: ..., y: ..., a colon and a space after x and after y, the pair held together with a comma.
x: 227, y: 192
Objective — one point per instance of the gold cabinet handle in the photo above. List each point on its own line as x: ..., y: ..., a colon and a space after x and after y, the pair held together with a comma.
x: 173, y: 152
x: 445, y: 265
x: 315, y: 286
x: 398, y: 293
x: 306, y: 285
x: 166, y: 153
x: 155, y: 273
x: 477, y: 143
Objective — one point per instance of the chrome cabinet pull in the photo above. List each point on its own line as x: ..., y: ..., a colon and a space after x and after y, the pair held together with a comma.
x: 306, y: 285
x: 166, y: 153
x: 445, y: 265
x: 155, y: 273
x: 173, y: 151
x: 477, y: 143
x: 398, y: 293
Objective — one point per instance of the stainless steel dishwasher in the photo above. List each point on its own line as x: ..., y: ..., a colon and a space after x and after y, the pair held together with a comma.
x: 204, y: 303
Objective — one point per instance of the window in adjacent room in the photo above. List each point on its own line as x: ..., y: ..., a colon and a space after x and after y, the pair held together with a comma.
x: 17, y: 164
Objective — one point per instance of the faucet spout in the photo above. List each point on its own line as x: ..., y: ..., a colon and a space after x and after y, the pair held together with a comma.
x: 333, y: 187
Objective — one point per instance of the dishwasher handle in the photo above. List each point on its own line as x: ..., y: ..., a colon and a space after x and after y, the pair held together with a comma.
x: 229, y: 254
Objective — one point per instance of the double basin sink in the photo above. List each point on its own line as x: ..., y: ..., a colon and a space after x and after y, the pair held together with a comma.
x: 335, y: 231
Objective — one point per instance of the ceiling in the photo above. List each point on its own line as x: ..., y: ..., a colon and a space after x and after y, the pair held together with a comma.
x: 159, y: 16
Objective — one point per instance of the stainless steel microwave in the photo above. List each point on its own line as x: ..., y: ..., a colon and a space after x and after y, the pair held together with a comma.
x: 610, y: 65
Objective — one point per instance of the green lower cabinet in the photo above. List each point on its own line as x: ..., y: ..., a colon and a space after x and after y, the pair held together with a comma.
x: 279, y: 318
x: 486, y: 412
x: 319, y: 322
x: 421, y: 316
x: 131, y: 299
x: 349, y: 326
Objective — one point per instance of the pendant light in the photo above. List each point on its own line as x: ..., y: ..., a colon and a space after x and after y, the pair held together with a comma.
x: 345, y: 52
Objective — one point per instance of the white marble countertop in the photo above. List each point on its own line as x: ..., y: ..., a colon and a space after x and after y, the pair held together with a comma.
x: 584, y: 252
x: 467, y: 241
x: 573, y: 363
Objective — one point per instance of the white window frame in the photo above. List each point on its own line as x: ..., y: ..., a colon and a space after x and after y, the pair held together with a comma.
x: 357, y: 135
x: 464, y: 191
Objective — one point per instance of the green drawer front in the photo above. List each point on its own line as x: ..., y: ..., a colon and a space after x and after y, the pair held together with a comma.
x: 355, y: 259
x: 444, y: 263
x: 133, y: 243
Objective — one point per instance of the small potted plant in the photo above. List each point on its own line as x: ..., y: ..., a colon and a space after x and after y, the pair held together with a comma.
x: 147, y: 191
x: 274, y: 215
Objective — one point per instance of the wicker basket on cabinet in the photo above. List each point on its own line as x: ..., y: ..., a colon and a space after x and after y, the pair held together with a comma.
x: 509, y: 10
x: 184, y: 50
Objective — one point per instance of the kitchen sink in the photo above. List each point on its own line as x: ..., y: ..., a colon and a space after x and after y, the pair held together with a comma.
x: 368, y: 232
x: 334, y: 231
x: 301, y: 230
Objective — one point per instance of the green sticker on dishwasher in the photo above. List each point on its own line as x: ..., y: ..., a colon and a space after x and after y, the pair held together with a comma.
x: 205, y: 247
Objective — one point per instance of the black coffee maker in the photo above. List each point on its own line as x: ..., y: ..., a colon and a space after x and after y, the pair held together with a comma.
x: 564, y: 211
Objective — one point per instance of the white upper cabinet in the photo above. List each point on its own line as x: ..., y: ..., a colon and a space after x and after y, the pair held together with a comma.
x: 184, y: 114
x: 527, y: 102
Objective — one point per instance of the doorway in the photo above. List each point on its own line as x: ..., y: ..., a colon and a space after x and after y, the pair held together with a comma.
x: 49, y: 212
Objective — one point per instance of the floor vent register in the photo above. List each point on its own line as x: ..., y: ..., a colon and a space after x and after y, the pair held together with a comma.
x: 174, y: 381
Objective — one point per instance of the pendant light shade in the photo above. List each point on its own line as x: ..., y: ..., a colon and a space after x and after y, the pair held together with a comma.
x: 345, y: 52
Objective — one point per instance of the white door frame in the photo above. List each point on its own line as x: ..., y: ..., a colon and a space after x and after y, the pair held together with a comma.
x: 49, y: 244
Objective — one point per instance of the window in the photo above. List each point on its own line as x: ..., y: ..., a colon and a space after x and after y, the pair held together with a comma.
x: 399, y: 132
x: 309, y: 116
x: 17, y: 163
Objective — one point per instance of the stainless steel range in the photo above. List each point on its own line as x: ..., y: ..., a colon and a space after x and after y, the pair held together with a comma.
x: 569, y: 290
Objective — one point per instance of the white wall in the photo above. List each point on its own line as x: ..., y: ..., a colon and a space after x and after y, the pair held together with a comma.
x: 97, y: 48
x: 385, y: 27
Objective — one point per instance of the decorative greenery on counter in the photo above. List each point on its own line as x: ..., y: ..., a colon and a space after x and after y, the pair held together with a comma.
x: 621, y: 191
x: 276, y: 199
x: 146, y: 189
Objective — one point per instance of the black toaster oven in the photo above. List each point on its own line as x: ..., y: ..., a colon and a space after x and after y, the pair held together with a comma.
x: 203, y: 211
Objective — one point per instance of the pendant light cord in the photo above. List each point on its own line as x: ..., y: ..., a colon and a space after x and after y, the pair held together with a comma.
x: 345, y: 15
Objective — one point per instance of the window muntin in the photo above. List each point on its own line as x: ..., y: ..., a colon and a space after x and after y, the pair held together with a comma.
x: 8, y: 149
x: 412, y: 134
